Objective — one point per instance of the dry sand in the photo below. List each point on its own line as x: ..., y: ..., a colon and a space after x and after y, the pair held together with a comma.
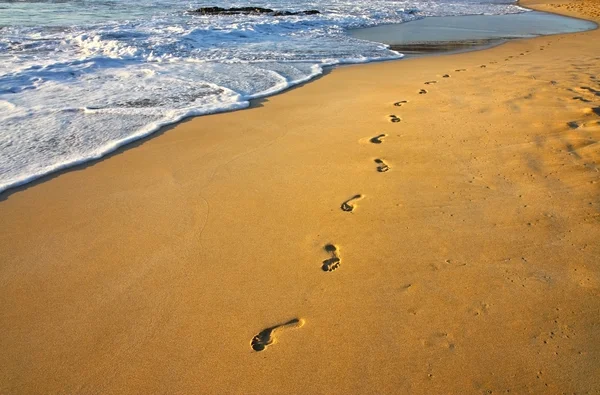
x: 471, y: 266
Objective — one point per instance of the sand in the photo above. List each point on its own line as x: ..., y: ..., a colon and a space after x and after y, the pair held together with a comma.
x: 472, y: 265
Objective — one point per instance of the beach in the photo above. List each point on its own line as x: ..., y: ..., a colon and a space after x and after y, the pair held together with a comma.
x: 424, y: 226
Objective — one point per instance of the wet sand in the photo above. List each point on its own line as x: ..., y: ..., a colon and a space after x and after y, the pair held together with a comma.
x: 455, y: 34
x: 473, y: 28
x: 420, y: 226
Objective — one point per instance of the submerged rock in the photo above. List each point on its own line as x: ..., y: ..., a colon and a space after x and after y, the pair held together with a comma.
x: 248, y: 11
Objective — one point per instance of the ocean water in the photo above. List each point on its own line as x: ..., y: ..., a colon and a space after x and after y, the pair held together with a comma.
x: 79, y: 78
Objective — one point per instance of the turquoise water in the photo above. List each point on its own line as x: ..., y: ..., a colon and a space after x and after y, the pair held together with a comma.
x: 69, y: 13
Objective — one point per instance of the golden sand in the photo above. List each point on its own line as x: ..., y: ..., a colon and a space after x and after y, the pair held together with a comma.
x: 460, y: 247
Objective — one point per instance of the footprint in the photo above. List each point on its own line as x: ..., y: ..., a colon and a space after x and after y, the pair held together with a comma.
x: 394, y: 118
x: 347, y: 205
x: 332, y: 263
x: 377, y: 139
x: 400, y: 103
x: 446, y: 76
x: 582, y: 99
x: 422, y: 92
x: 483, y: 66
x: 460, y: 70
x: 591, y: 90
x: 442, y: 340
x: 594, y: 110
x: 430, y: 82
x: 265, y: 337
x: 382, y: 167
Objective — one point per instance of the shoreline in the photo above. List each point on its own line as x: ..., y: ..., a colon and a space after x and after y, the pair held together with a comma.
x: 407, y: 51
x: 455, y: 196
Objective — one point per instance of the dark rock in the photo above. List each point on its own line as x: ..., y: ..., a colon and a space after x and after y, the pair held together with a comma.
x: 232, y: 11
x: 248, y: 11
